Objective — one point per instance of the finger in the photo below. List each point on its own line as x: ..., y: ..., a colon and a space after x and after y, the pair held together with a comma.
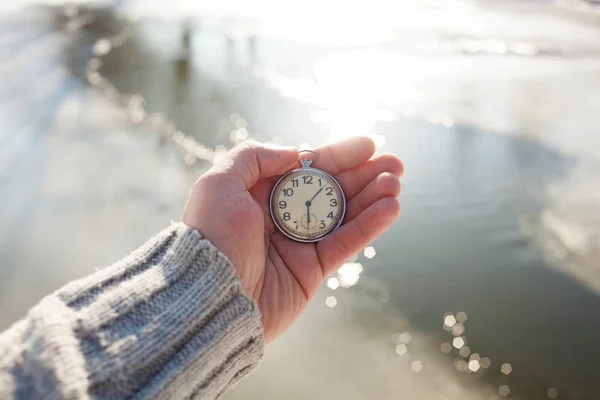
x: 262, y: 193
x: 355, y: 179
x: 355, y: 235
x: 385, y: 185
x: 252, y: 161
x: 348, y: 153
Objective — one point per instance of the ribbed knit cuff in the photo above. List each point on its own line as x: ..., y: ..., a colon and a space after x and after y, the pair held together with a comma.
x: 169, y: 321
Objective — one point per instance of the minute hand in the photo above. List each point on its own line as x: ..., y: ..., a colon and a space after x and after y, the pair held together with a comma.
x: 317, y: 193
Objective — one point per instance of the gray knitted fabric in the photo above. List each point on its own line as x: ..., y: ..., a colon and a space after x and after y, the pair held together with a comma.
x: 168, y: 321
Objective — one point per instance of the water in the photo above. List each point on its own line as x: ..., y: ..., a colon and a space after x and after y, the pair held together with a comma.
x: 496, y: 128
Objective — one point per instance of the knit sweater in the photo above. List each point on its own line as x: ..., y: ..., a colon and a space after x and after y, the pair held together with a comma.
x: 168, y: 321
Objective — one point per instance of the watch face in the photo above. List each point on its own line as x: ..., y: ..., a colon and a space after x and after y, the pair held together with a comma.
x: 307, y: 204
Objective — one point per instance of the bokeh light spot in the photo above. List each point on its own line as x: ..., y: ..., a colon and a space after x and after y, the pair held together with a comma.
x: 458, y: 329
x: 506, y: 368
x: 449, y: 321
x: 401, y: 349
x: 378, y: 139
x: 384, y: 297
x: 370, y: 252
x: 102, y: 47
x: 333, y: 283
x: 504, y: 390
x: 349, y: 274
x: 234, y: 117
x: 474, y: 365
x: 416, y: 366
x: 458, y: 342
x: 331, y: 301
x: 405, y: 337
x: 485, y: 363
x: 465, y: 351
x: 241, y: 123
x: 446, y: 348
x: 460, y: 365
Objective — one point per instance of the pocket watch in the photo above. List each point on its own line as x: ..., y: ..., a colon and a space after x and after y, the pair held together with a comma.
x: 307, y: 204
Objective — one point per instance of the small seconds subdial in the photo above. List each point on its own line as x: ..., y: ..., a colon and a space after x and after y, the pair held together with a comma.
x: 309, y: 221
x: 307, y: 204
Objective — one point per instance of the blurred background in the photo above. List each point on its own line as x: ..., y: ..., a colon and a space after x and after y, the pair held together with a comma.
x: 487, y: 287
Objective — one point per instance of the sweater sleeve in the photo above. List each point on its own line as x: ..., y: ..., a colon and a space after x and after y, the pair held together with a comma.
x: 168, y: 321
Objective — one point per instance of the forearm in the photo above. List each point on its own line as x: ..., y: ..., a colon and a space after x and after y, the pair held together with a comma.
x: 168, y: 321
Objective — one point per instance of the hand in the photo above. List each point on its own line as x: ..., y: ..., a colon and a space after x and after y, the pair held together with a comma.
x: 229, y: 205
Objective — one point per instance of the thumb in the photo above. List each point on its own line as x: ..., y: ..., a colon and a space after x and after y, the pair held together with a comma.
x: 253, y: 161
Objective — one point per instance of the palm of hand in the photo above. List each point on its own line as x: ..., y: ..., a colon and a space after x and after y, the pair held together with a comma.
x: 230, y: 207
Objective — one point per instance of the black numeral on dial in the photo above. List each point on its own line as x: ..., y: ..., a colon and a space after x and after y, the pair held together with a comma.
x: 288, y: 192
x: 295, y: 182
x: 282, y: 204
x: 329, y: 191
x: 322, y: 224
x: 286, y: 216
x: 307, y: 179
x: 333, y: 203
x: 330, y: 215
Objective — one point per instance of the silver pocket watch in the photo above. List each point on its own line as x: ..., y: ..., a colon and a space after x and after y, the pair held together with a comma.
x: 307, y: 204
